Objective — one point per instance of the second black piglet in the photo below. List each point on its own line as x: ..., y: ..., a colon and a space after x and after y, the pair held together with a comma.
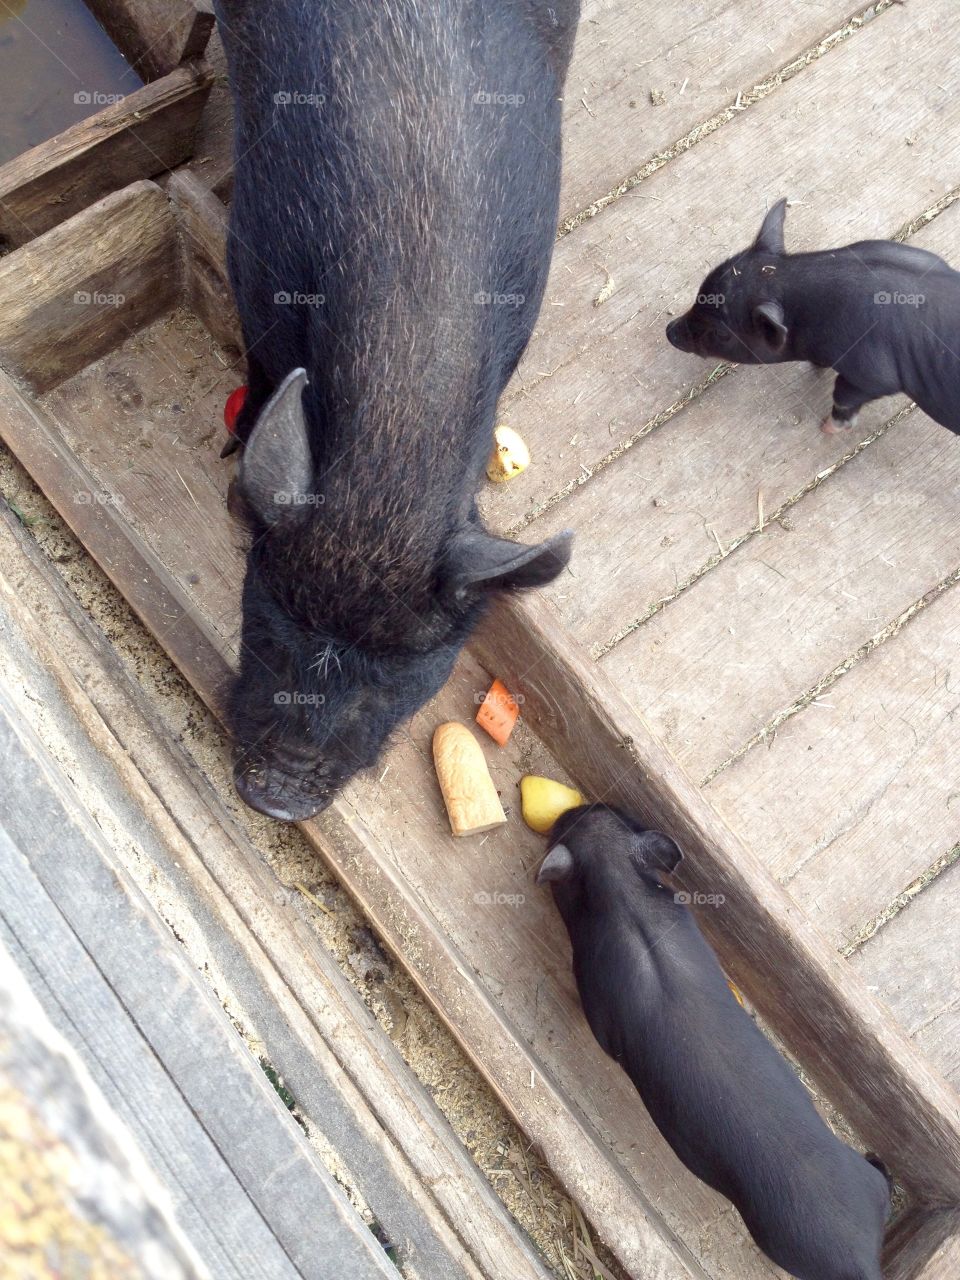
x: 884, y: 315
x: 727, y: 1103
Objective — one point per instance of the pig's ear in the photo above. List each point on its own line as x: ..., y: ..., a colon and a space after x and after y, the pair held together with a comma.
x: 656, y: 851
x: 769, y: 320
x: 277, y: 466
x: 770, y: 237
x: 476, y: 561
x: 557, y: 865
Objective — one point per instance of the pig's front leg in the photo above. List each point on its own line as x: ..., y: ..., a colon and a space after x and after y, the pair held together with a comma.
x: 848, y: 400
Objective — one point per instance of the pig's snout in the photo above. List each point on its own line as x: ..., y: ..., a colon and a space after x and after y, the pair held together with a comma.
x: 277, y: 793
x: 677, y: 335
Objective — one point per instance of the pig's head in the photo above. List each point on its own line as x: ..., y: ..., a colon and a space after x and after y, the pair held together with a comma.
x: 353, y: 612
x: 599, y: 857
x: 738, y: 314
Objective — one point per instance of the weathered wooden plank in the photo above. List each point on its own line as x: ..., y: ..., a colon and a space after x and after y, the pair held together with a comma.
x: 844, y: 1037
x: 156, y: 35
x: 141, y: 976
x: 75, y: 1183
x: 146, y: 133
x: 216, y: 1215
x: 856, y: 796
x: 90, y: 511
x: 912, y: 962
x: 923, y: 1246
x: 695, y: 486
x: 640, y: 79
x: 347, y: 1076
x: 718, y: 663
x: 102, y: 274
x: 203, y: 233
x: 597, y: 375
x: 617, y: 1201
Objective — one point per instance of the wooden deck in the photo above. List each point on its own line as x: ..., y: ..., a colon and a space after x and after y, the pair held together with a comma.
x: 756, y: 643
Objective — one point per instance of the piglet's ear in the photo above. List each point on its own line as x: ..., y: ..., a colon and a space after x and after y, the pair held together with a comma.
x: 277, y: 467
x: 476, y: 561
x: 656, y: 851
x: 770, y: 236
x: 769, y: 320
x: 557, y: 865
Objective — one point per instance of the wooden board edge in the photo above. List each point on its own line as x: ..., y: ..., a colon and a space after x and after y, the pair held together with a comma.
x: 79, y: 290
x: 135, y: 571
x: 151, y: 39
x: 142, y: 971
x: 923, y: 1246
x: 202, y: 220
x: 52, y: 181
x: 841, y: 1033
x: 68, y: 1133
x: 351, y: 852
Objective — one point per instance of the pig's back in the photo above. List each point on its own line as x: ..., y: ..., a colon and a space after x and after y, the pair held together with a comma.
x: 399, y: 191
x: 725, y: 1100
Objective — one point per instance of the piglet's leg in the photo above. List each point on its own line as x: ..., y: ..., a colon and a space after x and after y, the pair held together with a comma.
x: 848, y: 400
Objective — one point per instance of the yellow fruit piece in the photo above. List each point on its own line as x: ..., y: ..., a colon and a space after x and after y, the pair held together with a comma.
x: 510, y: 456
x: 542, y: 801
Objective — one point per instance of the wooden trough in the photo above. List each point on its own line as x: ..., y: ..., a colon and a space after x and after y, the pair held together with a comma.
x: 118, y: 347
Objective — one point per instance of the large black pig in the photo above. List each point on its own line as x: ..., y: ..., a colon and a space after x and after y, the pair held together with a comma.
x: 397, y: 173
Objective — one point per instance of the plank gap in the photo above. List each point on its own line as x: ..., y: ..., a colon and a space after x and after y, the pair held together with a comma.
x: 741, y: 103
x: 830, y: 678
x: 903, y: 899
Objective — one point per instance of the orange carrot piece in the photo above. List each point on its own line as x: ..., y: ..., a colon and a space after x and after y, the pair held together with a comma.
x: 498, y: 712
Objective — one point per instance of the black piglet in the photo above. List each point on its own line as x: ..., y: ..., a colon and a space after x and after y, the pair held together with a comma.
x: 727, y: 1103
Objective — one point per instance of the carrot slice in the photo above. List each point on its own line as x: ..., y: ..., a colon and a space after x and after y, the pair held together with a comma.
x: 498, y: 712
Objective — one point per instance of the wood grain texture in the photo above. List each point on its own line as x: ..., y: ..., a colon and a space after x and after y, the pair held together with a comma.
x: 75, y: 1184
x: 628, y: 54
x: 203, y: 236
x: 751, y: 636
x: 857, y: 795
x: 156, y: 35
x: 348, y: 1078
x: 385, y: 843
x: 159, y: 1044
x: 598, y: 375
x: 148, y: 132
x: 91, y: 281
x: 912, y: 960
x: 90, y: 511
x: 375, y: 831
x: 501, y: 980
x: 923, y: 1246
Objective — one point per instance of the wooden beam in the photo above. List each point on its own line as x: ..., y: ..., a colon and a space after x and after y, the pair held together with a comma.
x: 839, y: 1031
x: 69, y: 298
x: 923, y: 1246
x: 31, y: 435
x: 156, y: 35
x: 202, y: 221
x: 145, y: 134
